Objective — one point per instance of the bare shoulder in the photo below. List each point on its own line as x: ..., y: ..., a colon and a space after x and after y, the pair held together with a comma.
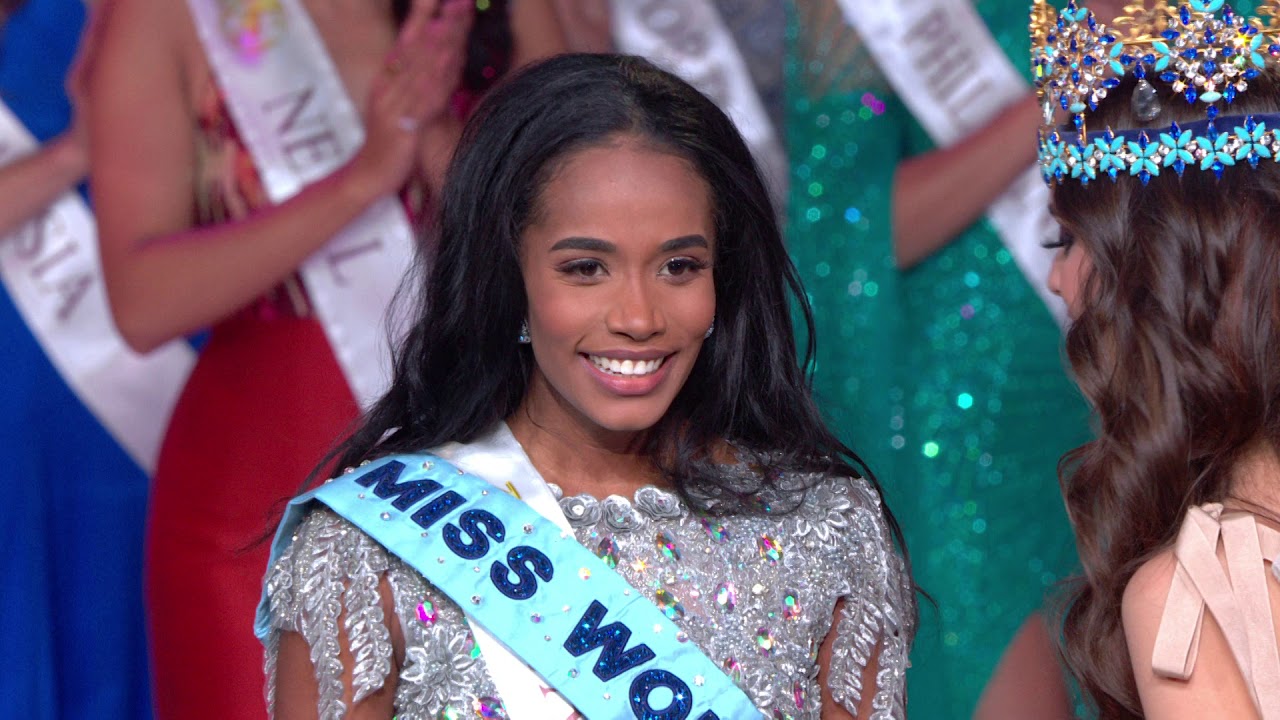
x: 1143, y: 607
x: 157, y: 21
x: 1214, y: 688
x: 1145, y: 595
x: 142, y: 33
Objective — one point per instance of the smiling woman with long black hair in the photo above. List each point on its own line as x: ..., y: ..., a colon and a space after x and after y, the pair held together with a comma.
x: 605, y: 333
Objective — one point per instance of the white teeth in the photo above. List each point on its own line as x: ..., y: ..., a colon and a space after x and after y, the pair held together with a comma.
x: 632, y: 368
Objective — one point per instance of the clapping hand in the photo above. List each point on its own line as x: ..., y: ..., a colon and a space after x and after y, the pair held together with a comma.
x: 412, y: 93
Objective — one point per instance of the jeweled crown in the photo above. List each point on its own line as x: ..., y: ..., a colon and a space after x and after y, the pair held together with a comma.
x: 1202, y: 49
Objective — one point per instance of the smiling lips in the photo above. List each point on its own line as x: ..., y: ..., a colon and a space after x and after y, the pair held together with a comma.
x: 626, y: 368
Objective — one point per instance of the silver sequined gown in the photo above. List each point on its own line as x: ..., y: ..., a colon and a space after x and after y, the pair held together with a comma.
x: 757, y: 594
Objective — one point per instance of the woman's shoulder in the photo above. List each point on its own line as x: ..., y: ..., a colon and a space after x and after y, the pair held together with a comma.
x: 324, y: 555
x: 1193, y: 610
x: 844, y: 516
x: 1144, y: 597
x: 846, y: 501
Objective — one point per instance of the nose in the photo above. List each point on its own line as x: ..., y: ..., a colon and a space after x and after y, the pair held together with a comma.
x: 636, y: 312
x: 1054, y: 281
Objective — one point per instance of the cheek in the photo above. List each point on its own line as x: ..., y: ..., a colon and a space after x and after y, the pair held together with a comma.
x: 697, y: 309
x: 558, y: 313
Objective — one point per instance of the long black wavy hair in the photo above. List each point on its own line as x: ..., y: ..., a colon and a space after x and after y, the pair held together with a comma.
x: 460, y: 370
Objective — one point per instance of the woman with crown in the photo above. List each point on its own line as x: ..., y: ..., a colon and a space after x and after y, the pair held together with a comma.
x: 1166, y: 186
x: 941, y: 357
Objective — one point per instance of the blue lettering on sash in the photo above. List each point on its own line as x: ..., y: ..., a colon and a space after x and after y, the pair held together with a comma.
x: 525, y: 562
x: 472, y: 522
x: 428, y: 514
x: 470, y: 538
x: 678, y: 708
x: 588, y: 635
x: 406, y: 494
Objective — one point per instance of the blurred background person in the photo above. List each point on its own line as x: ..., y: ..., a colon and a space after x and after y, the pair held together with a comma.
x: 916, y: 222
x: 731, y: 50
x: 81, y: 414
x: 212, y: 199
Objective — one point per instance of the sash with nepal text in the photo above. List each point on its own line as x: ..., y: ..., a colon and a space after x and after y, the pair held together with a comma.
x: 299, y: 125
x: 600, y: 643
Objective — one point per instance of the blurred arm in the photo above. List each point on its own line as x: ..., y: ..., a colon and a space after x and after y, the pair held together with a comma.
x: 33, y: 183
x: 940, y: 193
x: 535, y: 32
x: 166, y: 278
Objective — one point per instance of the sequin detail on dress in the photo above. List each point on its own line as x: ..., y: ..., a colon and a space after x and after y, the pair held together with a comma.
x: 770, y: 654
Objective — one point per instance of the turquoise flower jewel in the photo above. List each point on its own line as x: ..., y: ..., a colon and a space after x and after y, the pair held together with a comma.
x: 1055, y: 168
x: 1252, y: 146
x: 1146, y: 164
x: 1208, y: 6
x: 1082, y: 170
x: 1255, y: 45
x: 1167, y: 55
x: 1110, y: 146
x: 1074, y: 14
x: 1177, y: 140
x: 1216, y: 156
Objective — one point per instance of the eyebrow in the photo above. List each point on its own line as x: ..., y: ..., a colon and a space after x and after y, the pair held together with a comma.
x: 591, y: 244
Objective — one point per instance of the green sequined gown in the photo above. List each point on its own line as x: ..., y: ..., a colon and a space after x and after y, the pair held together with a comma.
x: 947, y: 378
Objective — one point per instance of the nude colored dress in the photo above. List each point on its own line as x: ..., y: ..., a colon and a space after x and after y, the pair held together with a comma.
x: 1234, y: 590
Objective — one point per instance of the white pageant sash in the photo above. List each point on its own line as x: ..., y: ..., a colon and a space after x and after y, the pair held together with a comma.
x: 943, y: 62
x: 499, y: 459
x: 51, y: 269
x: 299, y: 124
x: 690, y: 39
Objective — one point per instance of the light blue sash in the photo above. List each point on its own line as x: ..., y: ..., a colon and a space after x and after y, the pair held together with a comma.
x: 530, y: 584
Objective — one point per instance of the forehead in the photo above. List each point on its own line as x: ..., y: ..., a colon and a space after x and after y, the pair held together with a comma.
x: 625, y: 189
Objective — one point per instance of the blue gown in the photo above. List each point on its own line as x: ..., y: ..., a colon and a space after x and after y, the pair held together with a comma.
x: 73, y: 502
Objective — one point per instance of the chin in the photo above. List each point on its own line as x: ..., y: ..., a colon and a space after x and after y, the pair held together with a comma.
x: 628, y: 420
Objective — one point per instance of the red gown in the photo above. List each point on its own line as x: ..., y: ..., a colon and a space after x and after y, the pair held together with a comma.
x: 267, y: 399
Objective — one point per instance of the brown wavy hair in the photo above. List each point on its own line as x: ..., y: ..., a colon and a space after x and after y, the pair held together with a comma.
x: 1177, y: 348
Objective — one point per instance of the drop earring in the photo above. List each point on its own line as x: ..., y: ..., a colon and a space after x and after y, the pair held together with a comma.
x: 710, y: 330
x: 524, y: 338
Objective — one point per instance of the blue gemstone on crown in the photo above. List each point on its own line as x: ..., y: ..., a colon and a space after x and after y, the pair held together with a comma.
x: 1201, y: 50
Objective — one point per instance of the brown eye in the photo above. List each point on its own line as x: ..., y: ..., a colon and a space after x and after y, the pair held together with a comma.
x: 677, y: 267
x: 588, y: 269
